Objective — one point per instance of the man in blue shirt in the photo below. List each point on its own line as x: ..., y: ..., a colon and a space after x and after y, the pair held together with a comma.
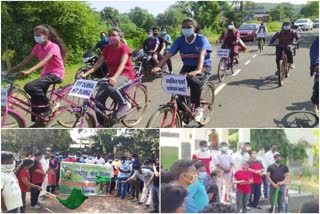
x: 102, y: 43
x: 124, y: 173
x: 168, y: 41
x: 314, y: 70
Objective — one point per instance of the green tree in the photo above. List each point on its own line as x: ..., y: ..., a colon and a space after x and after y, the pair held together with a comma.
x: 110, y: 16
x: 311, y: 10
x: 233, y: 137
x: 142, y: 18
x: 298, y: 150
x: 240, y: 4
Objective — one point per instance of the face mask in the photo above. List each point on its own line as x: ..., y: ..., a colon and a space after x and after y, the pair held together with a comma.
x: 261, y: 152
x: 192, y: 180
x: 39, y: 39
x: 242, y: 152
x: 109, y: 161
x: 248, y: 148
x: 103, y: 38
x: 224, y: 148
x: 129, y: 162
x: 163, y: 33
x: 278, y: 161
x: 202, y: 175
x: 113, y: 40
x: 136, y: 171
x: 286, y: 27
x: 204, y: 149
x: 8, y: 167
x: 133, y: 159
x: 254, y: 156
x: 187, y: 32
x: 230, y: 27
x: 150, y: 35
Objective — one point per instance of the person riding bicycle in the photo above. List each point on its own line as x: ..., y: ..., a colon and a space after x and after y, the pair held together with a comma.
x: 195, y: 52
x: 262, y: 29
x: 162, y: 43
x: 150, y: 45
x: 118, y: 58
x: 231, y: 39
x: 299, y: 30
x: 102, y: 43
x: 50, y: 51
x: 286, y: 38
x: 314, y: 71
x: 168, y: 41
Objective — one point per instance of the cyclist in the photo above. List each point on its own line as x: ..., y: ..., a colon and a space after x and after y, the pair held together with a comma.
x: 314, y: 70
x: 298, y: 29
x: 286, y: 37
x: 231, y: 39
x: 195, y: 54
x: 151, y: 45
x: 102, y: 43
x: 162, y: 43
x: 262, y: 29
x: 118, y: 57
x: 50, y: 52
x: 168, y: 40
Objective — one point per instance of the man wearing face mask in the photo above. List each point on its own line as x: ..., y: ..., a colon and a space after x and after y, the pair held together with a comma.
x: 162, y: 43
x: 224, y: 163
x: 240, y: 156
x: 286, y: 38
x: 167, y: 38
x: 45, y: 165
x: 10, y: 190
x: 261, y: 157
x: 204, y: 155
x: 256, y: 168
x: 151, y: 44
x: 102, y: 43
x: 269, y: 156
x: 277, y: 175
x: 124, y: 172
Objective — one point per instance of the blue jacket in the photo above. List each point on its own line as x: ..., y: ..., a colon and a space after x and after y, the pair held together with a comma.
x: 314, y: 55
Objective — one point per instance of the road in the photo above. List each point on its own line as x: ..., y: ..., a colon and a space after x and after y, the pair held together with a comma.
x: 251, y: 98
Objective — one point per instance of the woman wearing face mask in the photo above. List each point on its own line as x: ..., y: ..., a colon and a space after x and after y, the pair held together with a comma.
x: 151, y: 45
x: 243, y: 179
x: 118, y: 57
x: 195, y: 52
x: 52, y: 174
x: 50, y: 52
x: 10, y: 190
x: 23, y: 175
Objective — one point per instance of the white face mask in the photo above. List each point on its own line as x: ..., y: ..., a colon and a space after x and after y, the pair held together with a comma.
x: 286, y: 27
x: 230, y: 27
x: 8, y: 167
x: 150, y: 35
x: 204, y: 149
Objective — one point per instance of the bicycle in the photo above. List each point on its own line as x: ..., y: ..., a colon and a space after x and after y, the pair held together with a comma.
x: 170, y: 115
x: 226, y: 63
x: 11, y: 118
x: 134, y: 92
x: 283, y: 71
x: 261, y: 42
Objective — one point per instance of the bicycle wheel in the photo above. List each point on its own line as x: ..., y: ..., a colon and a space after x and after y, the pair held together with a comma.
x: 222, y: 70
x: 281, y: 72
x: 22, y: 95
x: 12, y: 120
x: 163, y: 118
x: 207, y: 102
x: 138, y: 97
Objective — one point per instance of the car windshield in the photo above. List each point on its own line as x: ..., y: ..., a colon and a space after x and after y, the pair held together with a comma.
x: 247, y: 27
x: 316, y: 21
x: 302, y: 20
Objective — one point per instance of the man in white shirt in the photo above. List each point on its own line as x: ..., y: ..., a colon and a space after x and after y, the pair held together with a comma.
x: 204, y: 155
x: 45, y: 166
x: 124, y: 173
x: 269, y: 157
x: 261, y: 157
x: 89, y: 160
x: 109, y: 170
x: 99, y: 160
x: 240, y: 156
x: 11, y: 199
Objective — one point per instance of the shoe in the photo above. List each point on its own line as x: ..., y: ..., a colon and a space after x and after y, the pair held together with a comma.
x: 36, y: 207
x: 46, y: 113
x: 257, y: 207
x: 198, y: 115
x: 140, y: 203
x: 291, y: 66
x: 248, y: 208
x: 123, y: 109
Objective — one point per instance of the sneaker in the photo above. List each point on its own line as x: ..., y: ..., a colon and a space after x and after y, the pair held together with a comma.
x: 140, y: 203
x: 291, y: 66
x: 198, y: 115
x: 123, y: 109
x: 35, y: 207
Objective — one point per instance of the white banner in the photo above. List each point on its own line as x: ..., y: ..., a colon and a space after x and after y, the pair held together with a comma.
x: 4, y: 95
x: 223, y: 53
x: 83, y: 88
x: 261, y: 35
x: 175, y: 84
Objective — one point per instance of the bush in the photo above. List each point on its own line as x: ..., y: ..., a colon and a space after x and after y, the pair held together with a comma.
x: 274, y: 26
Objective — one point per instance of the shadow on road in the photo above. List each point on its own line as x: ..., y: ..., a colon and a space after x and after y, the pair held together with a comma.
x: 267, y: 83
x: 298, y: 119
x: 307, y: 106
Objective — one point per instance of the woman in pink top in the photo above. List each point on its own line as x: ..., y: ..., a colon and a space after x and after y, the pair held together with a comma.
x: 50, y: 52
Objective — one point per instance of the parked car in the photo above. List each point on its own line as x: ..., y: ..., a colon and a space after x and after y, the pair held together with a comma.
x: 305, y: 24
x: 248, y: 32
x: 316, y: 23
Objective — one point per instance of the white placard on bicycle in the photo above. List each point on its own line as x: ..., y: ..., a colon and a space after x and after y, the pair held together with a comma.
x: 175, y: 84
x: 83, y: 88
x: 261, y: 35
x: 223, y: 53
x: 4, y: 95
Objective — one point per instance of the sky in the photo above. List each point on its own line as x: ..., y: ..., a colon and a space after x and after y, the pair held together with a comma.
x: 156, y: 6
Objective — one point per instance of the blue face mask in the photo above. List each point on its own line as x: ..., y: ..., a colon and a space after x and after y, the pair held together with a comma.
x: 163, y: 33
x: 39, y: 39
x: 136, y: 171
x: 202, y: 175
x: 187, y: 32
x: 103, y: 38
x: 129, y: 162
x: 110, y: 161
x: 286, y: 27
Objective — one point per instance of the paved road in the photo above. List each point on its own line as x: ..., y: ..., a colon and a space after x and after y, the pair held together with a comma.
x: 251, y: 98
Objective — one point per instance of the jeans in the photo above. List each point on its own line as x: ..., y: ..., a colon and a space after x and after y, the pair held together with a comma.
x: 135, y: 189
x: 51, y: 188
x: 34, y: 195
x: 265, y: 186
x: 255, y: 194
x: 37, y: 89
x: 287, y: 50
x: 281, y: 201
x: 23, y: 197
x: 241, y: 201
x: 155, y: 198
x: 195, y: 88
x: 122, y: 188
x: 105, y: 91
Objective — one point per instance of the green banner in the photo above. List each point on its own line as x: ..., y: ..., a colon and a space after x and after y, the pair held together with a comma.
x: 81, y: 175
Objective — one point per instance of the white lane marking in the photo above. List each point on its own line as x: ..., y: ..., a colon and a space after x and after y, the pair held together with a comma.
x: 49, y: 210
x: 247, y: 62
x: 220, y: 87
x: 236, y: 72
x: 254, y: 56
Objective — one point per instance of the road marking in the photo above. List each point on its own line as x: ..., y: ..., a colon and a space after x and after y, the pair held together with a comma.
x: 220, y: 87
x: 236, y: 72
x: 49, y: 210
x: 254, y: 56
x: 247, y: 62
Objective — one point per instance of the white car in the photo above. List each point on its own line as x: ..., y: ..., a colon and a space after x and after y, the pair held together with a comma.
x: 305, y: 24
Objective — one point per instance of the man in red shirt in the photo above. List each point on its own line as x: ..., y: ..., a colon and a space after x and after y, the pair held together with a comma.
x: 37, y: 176
x: 70, y: 159
x: 243, y: 179
x: 256, y: 168
x: 204, y: 155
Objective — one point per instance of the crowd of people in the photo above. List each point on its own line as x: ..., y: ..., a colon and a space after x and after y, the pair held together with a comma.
x: 39, y: 174
x: 225, y: 181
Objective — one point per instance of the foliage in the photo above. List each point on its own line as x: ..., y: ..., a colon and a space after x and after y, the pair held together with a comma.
x: 142, y: 18
x: 274, y: 26
x: 298, y: 150
x: 233, y: 137
x: 283, y: 12
x: 310, y: 10
x: 110, y: 16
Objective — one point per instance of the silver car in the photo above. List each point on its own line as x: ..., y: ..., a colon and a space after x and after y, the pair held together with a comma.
x: 304, y: 24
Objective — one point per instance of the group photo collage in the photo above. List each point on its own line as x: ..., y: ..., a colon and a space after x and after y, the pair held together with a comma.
x: 158, y: 106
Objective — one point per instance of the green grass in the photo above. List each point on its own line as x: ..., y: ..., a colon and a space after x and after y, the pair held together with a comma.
x: 168, y: 156
x: 213, y: 38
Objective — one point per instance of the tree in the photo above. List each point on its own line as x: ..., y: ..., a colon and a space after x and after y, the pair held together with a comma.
x: 171, y: 19
x: 311, y: 10
x: 142, y: 18
x: 298, y: 150
x: 240, y: 4
x: 110, y: 16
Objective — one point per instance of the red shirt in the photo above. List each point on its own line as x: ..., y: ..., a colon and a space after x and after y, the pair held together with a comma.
x: 205, y: 157
x: 72, y: 160
x: 37, y: 178
x: 243, y: 175
x: 23, y: 174
x: 256, y: 165
x: 113, y: 57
